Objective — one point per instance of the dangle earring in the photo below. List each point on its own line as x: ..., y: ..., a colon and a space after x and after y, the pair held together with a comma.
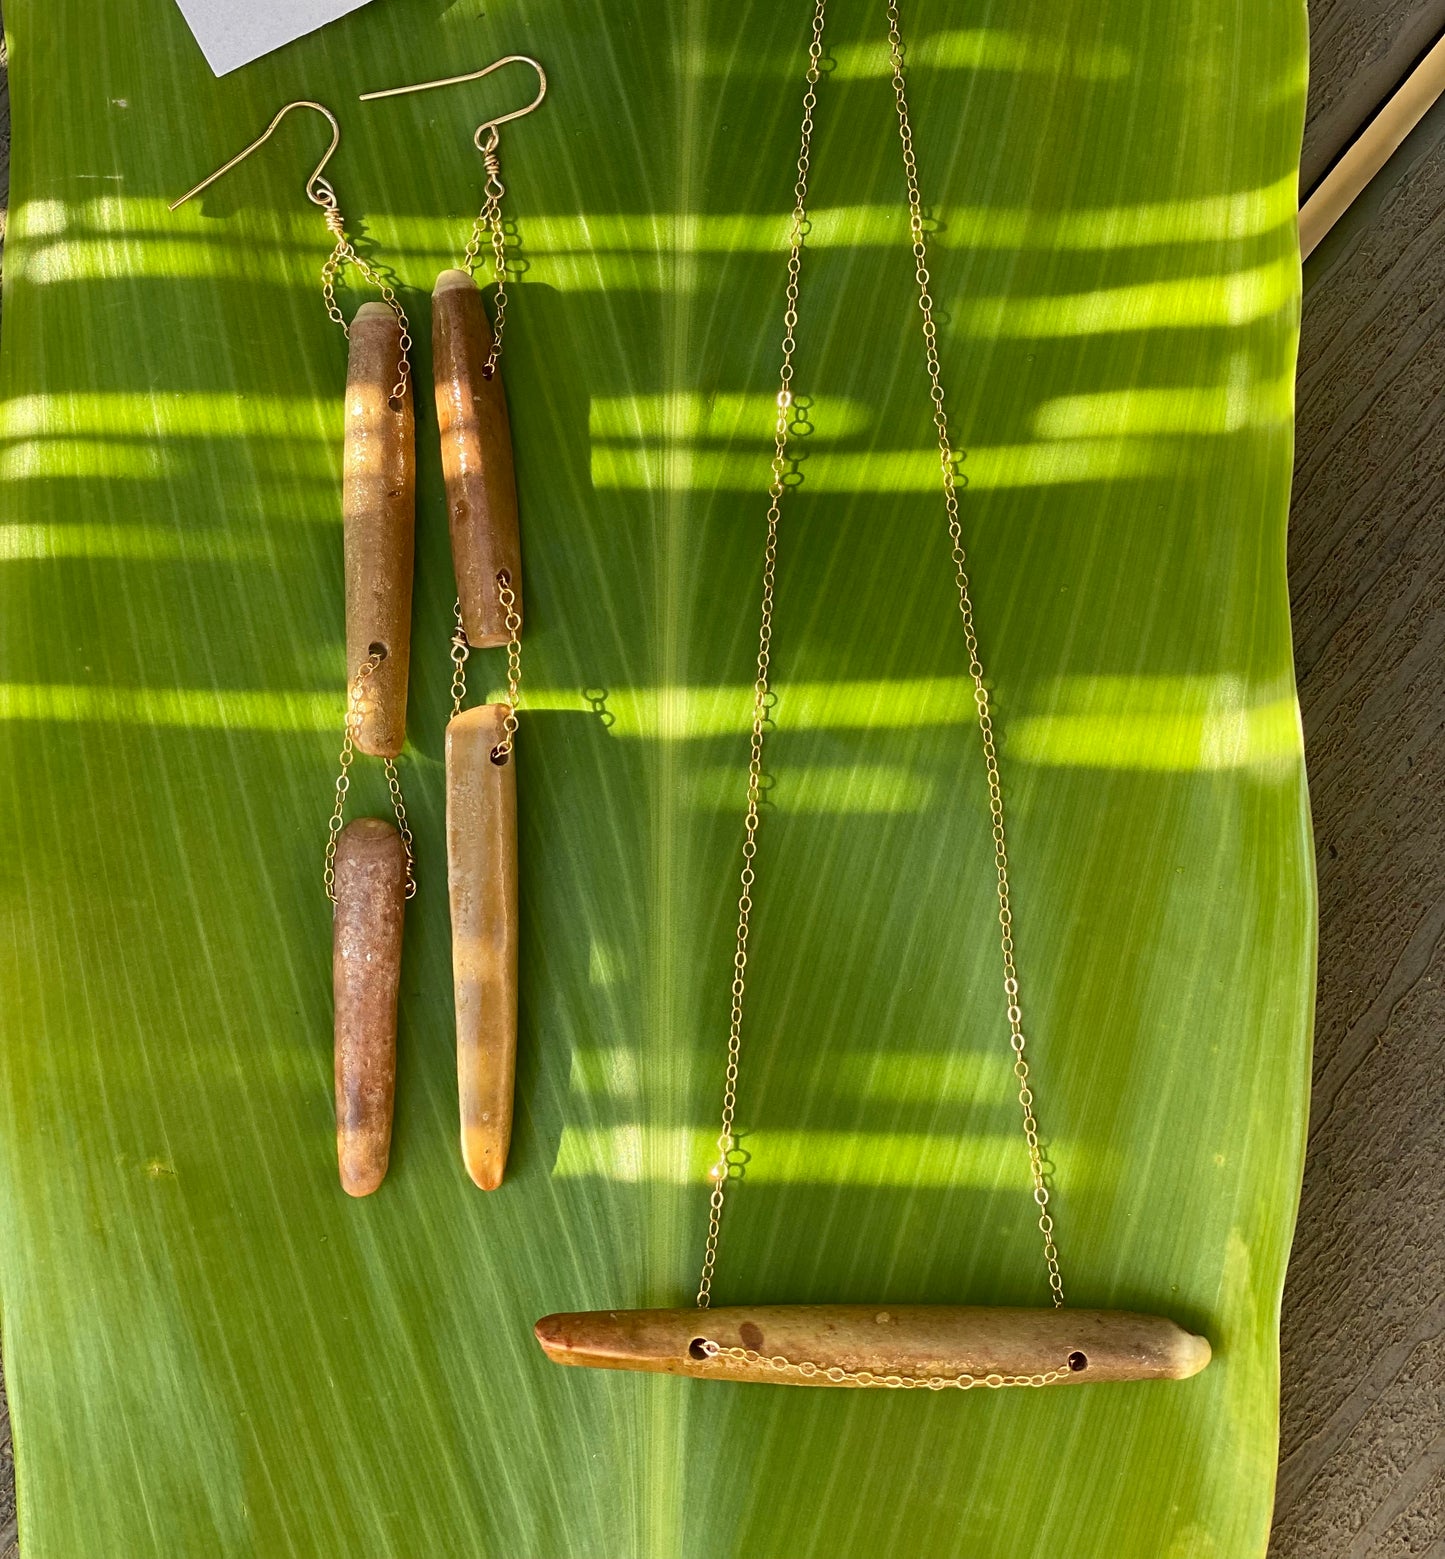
x: 476, y: 444
x: 368, y: 863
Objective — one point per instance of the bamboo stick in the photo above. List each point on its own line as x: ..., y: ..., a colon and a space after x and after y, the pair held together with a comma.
x: 1377, y: 143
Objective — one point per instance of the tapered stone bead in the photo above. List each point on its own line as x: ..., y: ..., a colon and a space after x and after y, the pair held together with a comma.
x: 903, y: 1340
x: 379, y: 513
x: 476, y: 439
x: 366, y: 974
x: 482, y: 876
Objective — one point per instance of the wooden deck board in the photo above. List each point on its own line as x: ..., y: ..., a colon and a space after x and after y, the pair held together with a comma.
x: 1359, y: 51
x: 1362, y: 1472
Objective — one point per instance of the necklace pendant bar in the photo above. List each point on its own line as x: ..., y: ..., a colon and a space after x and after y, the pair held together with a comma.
x: 933, y: 1346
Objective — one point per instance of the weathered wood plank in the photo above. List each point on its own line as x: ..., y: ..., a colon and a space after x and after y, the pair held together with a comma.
x: 1360, y: 50
x: 9, y: 1544
x: 1362, y: 1472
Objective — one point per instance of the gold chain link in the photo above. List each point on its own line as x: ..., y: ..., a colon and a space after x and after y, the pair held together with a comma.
x: 721, y: 1169
x: 343, y: 785
x: 343, y: 779
x: 460, y: 651
x: 840, y: 1376
x: 345, y: 254
x: 398, y: 806
x: 489, y: 225
x: 975, y: 664
x: 725, y: 1142
x: 507, y: 596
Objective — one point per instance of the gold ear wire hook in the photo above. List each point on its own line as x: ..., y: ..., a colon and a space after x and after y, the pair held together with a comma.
x: 489, y: 220
x: 476, y: 75
x: 318, y: 191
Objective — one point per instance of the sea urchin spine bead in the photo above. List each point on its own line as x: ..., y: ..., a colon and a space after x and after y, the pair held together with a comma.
x: 886, y: 1345
x: 476, y: 439
x: 482, y: 874
x: 379, y: 508
x: 366, y: 975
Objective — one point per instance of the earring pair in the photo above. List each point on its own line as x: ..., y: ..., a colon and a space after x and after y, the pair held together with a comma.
x: 369, y: 869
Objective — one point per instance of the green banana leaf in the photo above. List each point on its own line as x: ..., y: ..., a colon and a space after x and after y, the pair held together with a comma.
x: 211, y: 1350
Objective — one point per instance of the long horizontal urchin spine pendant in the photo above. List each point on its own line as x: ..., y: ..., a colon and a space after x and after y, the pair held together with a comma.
x: 933, y: 1346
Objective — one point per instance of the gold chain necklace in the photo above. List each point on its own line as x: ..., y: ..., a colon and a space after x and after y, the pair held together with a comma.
x: 761, y: 688
x: 932, y: 1347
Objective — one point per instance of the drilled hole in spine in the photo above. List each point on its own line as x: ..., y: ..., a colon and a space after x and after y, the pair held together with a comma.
x: 1078, y: 1361
x: 499, y: 757
x: 377, y: 648
x: 697, y: 1348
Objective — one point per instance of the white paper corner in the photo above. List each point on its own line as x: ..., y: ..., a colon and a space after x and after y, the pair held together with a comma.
x: 232, y: 34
